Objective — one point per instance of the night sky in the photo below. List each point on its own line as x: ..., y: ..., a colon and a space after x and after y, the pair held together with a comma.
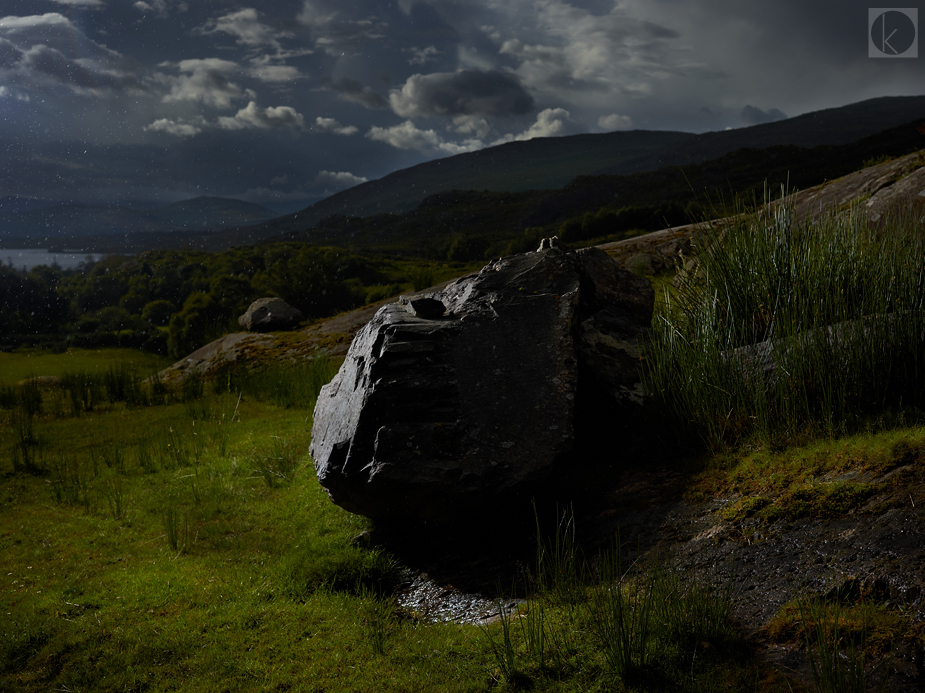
x: 284, y: 102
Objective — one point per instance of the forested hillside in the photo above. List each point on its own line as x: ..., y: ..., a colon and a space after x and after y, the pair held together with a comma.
x: 174, y: 301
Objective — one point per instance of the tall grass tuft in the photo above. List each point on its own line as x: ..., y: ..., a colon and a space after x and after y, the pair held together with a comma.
x: 279, y: 464
x: 285, y: 385
x: 502, y: 648
x: 790, y: 327
x: 145, y: 455
x: 378, y: 614
x: 534, y: 629
x: 113, y: 489
x: 9, y: 396
x: 695, y: 610
x: 839, y: 661
x: 30, y: 397
x: 560, y: 564
x: 121, y: 384
x: 70, y: 479
x: 28, y: 453
x: 85, y: 389
x: 176, y: 526
x: 175, y: 449
x: 622, y: 618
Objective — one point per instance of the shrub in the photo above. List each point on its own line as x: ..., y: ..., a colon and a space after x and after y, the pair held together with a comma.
x: 158, y: 312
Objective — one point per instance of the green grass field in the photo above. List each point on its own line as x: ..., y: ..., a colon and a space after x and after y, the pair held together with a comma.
x: 188, y: 546
x: 185, y: 544
x: 19, y: 365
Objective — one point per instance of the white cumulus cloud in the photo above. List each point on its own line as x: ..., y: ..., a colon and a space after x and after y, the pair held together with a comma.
x: 466, y: 92
x: 331, y: 125
x: 245, y: 26
x: 550, y: 122
x: 423, y: 55
x: 81, y: 3
x: 339, y: 179
x: 159, y: 6
x: 615, y: 121
x: 38, y: 52
x: 274, y: 73
x: 205, y: 81
x: 176, y: 127
x: 314, y: 16
x: 48, y: 26
x: 408, y: 136
x: 253, y: 116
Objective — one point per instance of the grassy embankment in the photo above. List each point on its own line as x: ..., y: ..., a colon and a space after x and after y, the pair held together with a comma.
x: 155, y: 540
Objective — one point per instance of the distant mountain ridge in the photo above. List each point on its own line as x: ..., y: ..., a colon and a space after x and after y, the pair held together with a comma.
x: 26, y: 219
x: 549, y: 163
x: 539, y: 164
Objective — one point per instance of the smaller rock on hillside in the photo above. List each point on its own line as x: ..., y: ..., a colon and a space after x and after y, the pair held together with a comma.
x: 268, y: 314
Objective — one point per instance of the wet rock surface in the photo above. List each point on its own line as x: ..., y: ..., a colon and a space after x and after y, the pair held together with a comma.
x: 439, y: 603
x: 449, y: 404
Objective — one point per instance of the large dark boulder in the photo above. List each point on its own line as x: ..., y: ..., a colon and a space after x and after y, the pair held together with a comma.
x: 466, y: 398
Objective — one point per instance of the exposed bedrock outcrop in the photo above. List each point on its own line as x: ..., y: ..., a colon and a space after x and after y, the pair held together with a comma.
x: 468, y: 397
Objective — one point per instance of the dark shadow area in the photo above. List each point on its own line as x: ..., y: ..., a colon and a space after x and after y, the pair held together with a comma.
x: 623, y: 478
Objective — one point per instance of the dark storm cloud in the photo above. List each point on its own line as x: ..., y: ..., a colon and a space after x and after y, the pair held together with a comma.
x: 352, y: 90
x: 53, y: 51
x: 42, y: 62
x: 755, y: 116
x: 463, y: 93
x: 598, y: 8
x: 50, y: 62
x: 285, y: 100
x: 9, y: 54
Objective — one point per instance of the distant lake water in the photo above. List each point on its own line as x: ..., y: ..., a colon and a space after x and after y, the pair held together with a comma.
x: 31, y: 257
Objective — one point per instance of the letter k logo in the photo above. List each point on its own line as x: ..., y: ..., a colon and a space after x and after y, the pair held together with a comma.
x: 893, y: 33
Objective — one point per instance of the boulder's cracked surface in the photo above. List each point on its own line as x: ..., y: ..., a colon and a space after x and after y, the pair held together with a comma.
x: 435, y: 413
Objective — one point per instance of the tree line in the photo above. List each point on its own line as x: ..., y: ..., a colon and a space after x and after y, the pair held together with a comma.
x: 172, y: 302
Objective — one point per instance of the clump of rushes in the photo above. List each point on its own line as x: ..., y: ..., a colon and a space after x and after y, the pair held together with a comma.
x: 839, y: 655
x: 789, y: 327
x: 622, y: 618
x: 279, y: 464
x: 176, y: 527
x: 379, y: 614
x: 287, y: 385
x: 503, y: 650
